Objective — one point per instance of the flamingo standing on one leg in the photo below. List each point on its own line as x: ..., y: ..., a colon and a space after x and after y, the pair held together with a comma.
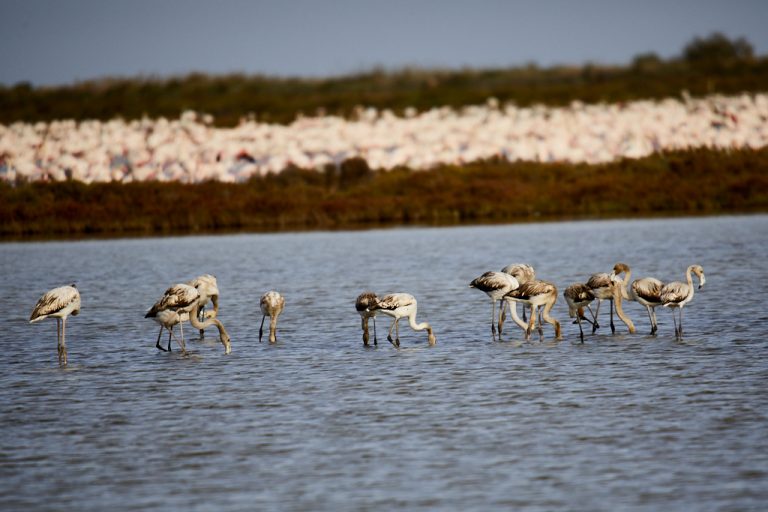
x: 363, y: 302
x: 647, y: 291
x: 536, y: 294
x: 58, y: 303
x: 579, y: 296
x: 603, y: 288
x: 399, y: 305
x: 495, y: 285
x: 271, y: 304
x: 677, y: 295
x: 171, y: 309
x: 524, y: 273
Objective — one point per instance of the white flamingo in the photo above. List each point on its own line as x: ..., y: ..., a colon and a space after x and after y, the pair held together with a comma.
x: 400, y: 305
x: 677, y: 295
x: 602, y: 285
x: 524, y: 273
x: 271, y: 304
x: 362, y: 303
x: 647, y: 291
x: 58, y: 303
x: 579, y: 296
x: 536, y: 294
x: 495, y: 285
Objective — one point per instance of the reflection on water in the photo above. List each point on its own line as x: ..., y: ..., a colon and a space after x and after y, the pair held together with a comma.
x: 317, y: 421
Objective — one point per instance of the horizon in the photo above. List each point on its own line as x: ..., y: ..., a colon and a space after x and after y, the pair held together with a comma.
x: 47, y: 43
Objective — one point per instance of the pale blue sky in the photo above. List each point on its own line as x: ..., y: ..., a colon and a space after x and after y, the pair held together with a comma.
x: 62, y: 41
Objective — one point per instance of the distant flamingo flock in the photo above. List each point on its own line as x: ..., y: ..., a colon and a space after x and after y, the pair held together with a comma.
x: 190, y: 149
x: 515, y: 283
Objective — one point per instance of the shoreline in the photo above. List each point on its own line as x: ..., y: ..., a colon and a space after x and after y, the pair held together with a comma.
x: 684, y: 183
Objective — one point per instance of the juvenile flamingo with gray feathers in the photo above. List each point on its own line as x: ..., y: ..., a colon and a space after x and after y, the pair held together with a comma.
x: 362, y: 303
x: 579, y: 296
x: 271, y: 304
x: 602, y: 286
x: 536, y: 294
x: 208, y: 288
x: 179, y: 303
x: 58, y: 303
x: 524, y: 273
x: 495, y: 285
x: 402, y: 305
x: 676, y: 295
x: 647, y: 291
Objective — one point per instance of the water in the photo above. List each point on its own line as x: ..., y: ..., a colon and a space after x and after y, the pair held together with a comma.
x: 318, y: 422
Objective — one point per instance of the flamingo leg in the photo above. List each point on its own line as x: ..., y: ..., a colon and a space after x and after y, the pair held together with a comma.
x: 397, y: 332
x: 365, y: 331
x: 170, y: 332
x: 389, y: 335
x: 63, y: 347
x: 674, y: 319
x: 531, y: 321
x: 613, y: 327
x: 261, y: 327
x: 655, y: 321
x: 157, y: 345
x: 541, y: 323
x: 201, y: 317
x: 183, y: 346
x: 375, y: 341
x: 650, y: 317
x: 581, y: 331
x: 596, y: 326
x: 180, y: 342
x: 493, y: 319
x: 524, y: 319
x: 681, y: 323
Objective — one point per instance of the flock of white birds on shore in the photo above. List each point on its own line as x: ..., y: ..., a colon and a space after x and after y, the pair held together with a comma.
x: 191, y: 149
x: 515, y: 283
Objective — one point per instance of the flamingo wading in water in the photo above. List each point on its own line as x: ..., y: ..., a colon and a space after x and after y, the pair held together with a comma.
x: 364, y: 301
x: 524, y: 273
x: 495, y: 285
x: 579, y: 296
x: 58, y: 303
x: 536, y: 294
x: 271, y: 304
x: 602, y: 286
x: 208, y: 288
x: 647, y: 291
x: 399, y: 305
x: 677, y: 295
x: 179, y: 303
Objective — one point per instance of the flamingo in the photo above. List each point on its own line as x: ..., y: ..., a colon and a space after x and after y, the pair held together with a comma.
x: 523, y: 272
x: 363, y: 302
x: 579, y: 296
x: 208, y: 288
x: 271, y: 304
x: 179, y: 303
x: 399, y: 305
x: 536, y: 294
x: 58, y: 303
x: 677, y: 295
x: 174, y: 308
x: 647, y: 291
x: 603, y: 288
x: 495, y: 285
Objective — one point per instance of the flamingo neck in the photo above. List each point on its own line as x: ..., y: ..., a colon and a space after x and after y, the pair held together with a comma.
x: 689, y: 279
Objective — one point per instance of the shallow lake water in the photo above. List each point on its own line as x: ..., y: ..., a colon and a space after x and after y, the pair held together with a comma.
x: 317, y: 421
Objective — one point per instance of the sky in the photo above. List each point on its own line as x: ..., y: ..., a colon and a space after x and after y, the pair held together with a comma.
x: 53, y: 42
